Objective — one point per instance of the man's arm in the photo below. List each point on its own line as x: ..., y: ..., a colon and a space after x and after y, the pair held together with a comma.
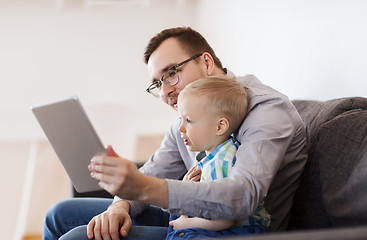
x: 265, y: 137
x: 121, y: 178
x: 262, y: 149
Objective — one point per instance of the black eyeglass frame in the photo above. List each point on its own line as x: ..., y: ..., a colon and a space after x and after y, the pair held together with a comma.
x: 159, y: 83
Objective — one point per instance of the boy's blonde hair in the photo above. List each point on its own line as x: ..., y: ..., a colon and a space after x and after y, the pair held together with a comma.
x: 224, y: 95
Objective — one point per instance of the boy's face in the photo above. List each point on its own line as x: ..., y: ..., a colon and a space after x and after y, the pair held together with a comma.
x: 170, y: 53
x: 198, y: 126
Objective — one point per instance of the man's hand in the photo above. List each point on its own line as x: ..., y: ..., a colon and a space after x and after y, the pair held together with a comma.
x: 121, y: 178
x: 112, y: 171
x: 111, y: 223
x: 116, y: 175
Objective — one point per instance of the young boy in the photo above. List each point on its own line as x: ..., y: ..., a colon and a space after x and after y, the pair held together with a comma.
x: 211, y: 109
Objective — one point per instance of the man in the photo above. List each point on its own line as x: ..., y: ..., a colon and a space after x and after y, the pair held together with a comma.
x: 269, y: 160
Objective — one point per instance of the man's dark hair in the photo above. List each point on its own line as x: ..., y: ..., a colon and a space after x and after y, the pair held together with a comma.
x: 191, y: 41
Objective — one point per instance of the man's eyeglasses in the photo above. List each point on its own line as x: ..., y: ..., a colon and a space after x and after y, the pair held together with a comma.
x: 170, y: 78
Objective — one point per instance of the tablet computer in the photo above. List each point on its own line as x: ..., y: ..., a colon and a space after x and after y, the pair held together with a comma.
x: 73, y: 138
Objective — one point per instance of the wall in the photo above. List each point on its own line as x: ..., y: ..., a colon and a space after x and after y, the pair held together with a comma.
x: 307, y: 49
x: 53, y: 49
x: 14, y: 155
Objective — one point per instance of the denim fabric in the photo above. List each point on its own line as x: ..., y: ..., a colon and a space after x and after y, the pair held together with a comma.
x: 67, y: 220
x: 135, y: 233
x: 71, y: 213
x: 198, y: 233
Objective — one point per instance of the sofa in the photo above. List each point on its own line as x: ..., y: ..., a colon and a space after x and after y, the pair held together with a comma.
x: 333, y: 187
x: 331, y: 200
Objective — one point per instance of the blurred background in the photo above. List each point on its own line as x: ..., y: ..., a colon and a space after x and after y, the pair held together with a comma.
x: 53, y: 49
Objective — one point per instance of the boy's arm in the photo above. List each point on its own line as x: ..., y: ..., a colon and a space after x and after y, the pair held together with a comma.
x: 195, y: 222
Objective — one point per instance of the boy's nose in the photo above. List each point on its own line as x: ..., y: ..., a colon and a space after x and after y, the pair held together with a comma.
x: 181, y: 128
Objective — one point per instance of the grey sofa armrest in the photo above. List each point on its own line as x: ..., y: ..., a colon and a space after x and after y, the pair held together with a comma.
x: 332, y: 190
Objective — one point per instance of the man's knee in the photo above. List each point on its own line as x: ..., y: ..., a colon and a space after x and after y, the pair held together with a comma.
x: 58, y: 210
x: 53, y: 212
x: 76, y: 234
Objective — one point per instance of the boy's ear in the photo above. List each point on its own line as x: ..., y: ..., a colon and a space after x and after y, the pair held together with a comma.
x: 223, y: 126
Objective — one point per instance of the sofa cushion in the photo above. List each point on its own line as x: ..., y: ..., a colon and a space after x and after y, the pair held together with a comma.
x: 334, y: 171
x: 342, y: 149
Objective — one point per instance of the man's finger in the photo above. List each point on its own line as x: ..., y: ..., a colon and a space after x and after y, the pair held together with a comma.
x: 125, y: 228
x: 97, y: 230
x: 90, y: 228
x: 114, y: 228
x: 108, y: 179
x: 108, y: 170
x: 105, y: 160
x: 105, y: 228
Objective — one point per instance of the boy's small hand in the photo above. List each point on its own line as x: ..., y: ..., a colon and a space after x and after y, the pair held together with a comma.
x: 179, y: 223
x: 194, y: 174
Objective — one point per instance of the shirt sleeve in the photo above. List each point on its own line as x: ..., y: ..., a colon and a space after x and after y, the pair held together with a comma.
x: 167, y: 162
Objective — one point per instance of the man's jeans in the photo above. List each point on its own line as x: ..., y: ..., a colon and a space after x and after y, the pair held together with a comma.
x: 68, y: 220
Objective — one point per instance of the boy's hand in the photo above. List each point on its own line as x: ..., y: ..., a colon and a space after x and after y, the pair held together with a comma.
x: 194, y: 174
x: 179, y: 223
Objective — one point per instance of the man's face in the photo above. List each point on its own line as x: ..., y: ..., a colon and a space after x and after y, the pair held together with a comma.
x: 165, y: 56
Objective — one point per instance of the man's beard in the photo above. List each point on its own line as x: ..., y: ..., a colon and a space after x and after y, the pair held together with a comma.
x: 172, y: 100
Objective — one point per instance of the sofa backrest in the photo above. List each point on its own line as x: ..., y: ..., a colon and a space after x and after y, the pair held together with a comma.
x: 332, y: 191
